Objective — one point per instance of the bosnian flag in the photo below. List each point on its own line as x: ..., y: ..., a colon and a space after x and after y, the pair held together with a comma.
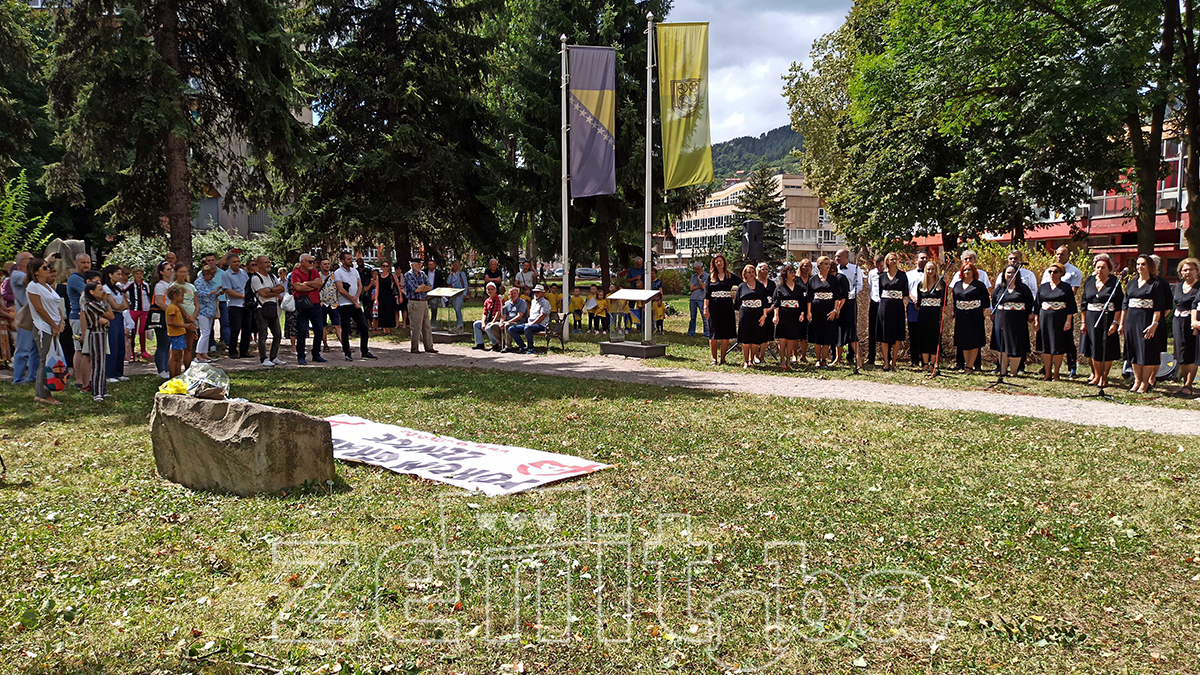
x: 592, y: 102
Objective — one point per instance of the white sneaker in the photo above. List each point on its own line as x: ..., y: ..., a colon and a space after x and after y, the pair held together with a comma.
x: 111, y: 380
x: 280, y: 362
x: 122, y: 379
x: 268, y: 363
x: 164, y: 375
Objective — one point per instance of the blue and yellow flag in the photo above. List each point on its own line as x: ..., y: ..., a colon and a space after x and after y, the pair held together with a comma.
x: 592, y: 97
x: 683, y: 96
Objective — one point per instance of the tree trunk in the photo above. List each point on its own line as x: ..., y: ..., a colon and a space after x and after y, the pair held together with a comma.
x: 402, y: 240
x: 1147, y: 150
x: 1191, y: 78
x: 175, y: 148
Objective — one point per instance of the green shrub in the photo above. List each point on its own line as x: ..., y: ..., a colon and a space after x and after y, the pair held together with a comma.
x: 18, y: 232
x: 673, y: 282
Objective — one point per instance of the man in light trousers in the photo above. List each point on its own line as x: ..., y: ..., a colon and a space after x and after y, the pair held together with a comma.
x: 416, y: 286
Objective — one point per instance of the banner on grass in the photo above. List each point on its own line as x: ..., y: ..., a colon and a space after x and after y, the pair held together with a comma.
x: 491, y: 469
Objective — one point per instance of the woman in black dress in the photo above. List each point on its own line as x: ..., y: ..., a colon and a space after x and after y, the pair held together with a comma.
x: 891, y: 318
x: 718, y: 308
x: 1054, y: 319
x: 791, y: 307
x: 1102, y: 313
x: 387, y: 297
x: 804, y: 272
x: 763, y: 274
x: 970, y: 301
x: 1014, y: 310
x: 825, y: 306
x: 753, y: 303
x: 1186, y: 329
x: 1144, y: 309
x: 931, y: 302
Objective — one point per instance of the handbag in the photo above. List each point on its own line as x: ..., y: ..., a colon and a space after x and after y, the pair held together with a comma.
x: 56, y: 367
x: 269, y: 311
x: 287, y: 302
x: 156, y: 319
x: 24, y: 319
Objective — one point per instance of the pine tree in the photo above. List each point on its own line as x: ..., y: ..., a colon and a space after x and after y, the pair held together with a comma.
x: 404, y: 134
x: 761, y: 200
x: 15, y: 63
x: 163, y: 95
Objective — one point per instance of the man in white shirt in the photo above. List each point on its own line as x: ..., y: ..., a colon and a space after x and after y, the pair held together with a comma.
x: 848, y: 319
x: 914, y: 282
x: 234, y: 281
x: 348, y: 284
x: 969, y: 256
x: 873, y: 317
x: 1074, y: 277
x: 268, y: 288
x: 539, y: 316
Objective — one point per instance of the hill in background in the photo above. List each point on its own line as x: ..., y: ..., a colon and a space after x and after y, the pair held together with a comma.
x: 744, y: 153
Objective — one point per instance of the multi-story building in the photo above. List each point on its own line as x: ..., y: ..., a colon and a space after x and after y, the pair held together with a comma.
x: 808, y: 229
x: 1107, y: 223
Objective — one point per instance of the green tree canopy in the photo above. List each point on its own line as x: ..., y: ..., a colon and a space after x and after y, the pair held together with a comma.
x: 169, y: 96
x: 760, y: 200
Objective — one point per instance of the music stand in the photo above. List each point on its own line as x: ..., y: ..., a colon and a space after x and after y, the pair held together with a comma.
x: 1100, y: 393
x: 445, y: 334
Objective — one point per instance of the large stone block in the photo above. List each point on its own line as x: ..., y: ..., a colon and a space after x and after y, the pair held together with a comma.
x: 243, y: 448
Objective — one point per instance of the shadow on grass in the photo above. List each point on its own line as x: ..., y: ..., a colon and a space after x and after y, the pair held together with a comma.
x: 326, y: 391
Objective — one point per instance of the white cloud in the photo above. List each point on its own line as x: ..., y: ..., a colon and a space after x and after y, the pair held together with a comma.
x: 752, y: 43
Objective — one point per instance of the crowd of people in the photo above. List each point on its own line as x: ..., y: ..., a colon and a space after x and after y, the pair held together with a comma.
x: 101, y: 319
x: 817, y: 305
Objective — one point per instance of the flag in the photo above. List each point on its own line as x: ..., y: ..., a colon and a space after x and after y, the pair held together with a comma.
x: 683, y: 98
x: 592, y: 98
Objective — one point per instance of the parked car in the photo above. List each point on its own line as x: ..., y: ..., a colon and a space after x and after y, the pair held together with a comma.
x: 587, y: 273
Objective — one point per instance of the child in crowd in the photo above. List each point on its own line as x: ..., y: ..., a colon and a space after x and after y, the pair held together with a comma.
x: 618, y: 310
x: 94, y: 317
x: 593, y: 312
x: 660, y: 314
x: 554, y: 297
x: 176, y: 330
x: 576, y: 308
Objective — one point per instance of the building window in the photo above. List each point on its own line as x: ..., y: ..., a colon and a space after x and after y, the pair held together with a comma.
x: 258, y: 221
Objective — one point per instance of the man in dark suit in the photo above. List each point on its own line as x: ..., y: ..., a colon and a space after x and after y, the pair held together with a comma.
x: 436, y: 278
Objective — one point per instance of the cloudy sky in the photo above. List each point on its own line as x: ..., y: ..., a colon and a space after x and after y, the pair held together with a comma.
x: 752, y: 43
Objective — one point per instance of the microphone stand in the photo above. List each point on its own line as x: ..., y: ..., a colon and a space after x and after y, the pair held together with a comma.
x: 1100, y: 393
x: 1000, y: 327
x: 937, y: 355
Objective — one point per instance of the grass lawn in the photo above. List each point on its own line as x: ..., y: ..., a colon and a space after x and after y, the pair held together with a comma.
x: 1020, y: 546
x: 693, y: 353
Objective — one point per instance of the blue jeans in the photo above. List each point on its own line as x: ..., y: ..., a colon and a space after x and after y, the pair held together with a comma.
x: 696, y: 307
x: 114, y: 363
x: 314, y: 315
x: 25, y: 360
x: 457, y: 304
x: 493, y: 335
x: 162, y: 350
x: 224, y: 307
x: 526, y: 329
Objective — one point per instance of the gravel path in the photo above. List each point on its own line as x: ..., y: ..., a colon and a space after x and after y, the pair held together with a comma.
x: 619, y: 369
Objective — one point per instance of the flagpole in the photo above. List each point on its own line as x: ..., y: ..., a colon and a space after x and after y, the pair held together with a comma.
x: 566, y: 177
x: 648, y: 261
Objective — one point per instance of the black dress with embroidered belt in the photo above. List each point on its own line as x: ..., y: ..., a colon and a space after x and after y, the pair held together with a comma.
x: 1141, y: 303
x: 929, y: 316
x: 824, y: 293
x: 1013, y: 307
x: 722, y: 319
x: 891, y: 319
x: 1097, y: 308
x: 1186, y: 344
x: 969, y: 303
x: 1055, y: 304
x: 751, y: 304
x: 791, y: 304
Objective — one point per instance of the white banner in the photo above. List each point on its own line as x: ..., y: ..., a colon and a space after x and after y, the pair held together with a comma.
x: 491, y: 469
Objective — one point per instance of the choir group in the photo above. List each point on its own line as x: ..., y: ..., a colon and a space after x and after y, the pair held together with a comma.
x: 1116, y: 321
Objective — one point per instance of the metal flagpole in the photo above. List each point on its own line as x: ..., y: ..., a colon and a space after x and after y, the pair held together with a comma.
x: 566, y: 177
x: 648, y: 263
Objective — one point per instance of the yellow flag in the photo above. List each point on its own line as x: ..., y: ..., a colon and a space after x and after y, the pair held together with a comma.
x: 683, y: 95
